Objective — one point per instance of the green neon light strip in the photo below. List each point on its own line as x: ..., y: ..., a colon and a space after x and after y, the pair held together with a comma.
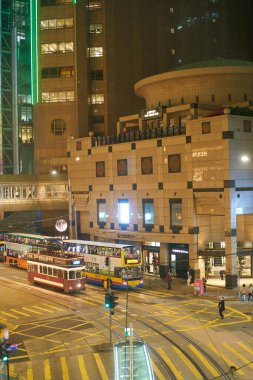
x: 34, y: 50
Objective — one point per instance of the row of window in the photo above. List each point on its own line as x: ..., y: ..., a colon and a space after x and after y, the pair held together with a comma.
x: 67, y: 72
x: 148, y: 209
x: 96, y: 51
x: 91, y: 6
x: 57, y: 23
x: 57, y: 96
x: 60, y: 47
x: 174, y: 166
x: 96, y: 99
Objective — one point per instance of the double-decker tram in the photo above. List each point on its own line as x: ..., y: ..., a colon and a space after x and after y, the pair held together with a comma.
x: 61, y: 271
x: 18, y: 245
x: 121, y: 263
x: 2, y: 243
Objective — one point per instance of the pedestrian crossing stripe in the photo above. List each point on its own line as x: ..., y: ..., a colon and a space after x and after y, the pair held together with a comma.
x: 9, y: 315
x: 31, y: 311
x: 240, y: 356
x: 101, y: 367
x: 19, y: 312
x: 82, y: 367
x: 170, y: 364
x: 204, y: 361
x: 188, y: 363
x: 64, y: 367
x: 225, y: 358
x: 157, y: 371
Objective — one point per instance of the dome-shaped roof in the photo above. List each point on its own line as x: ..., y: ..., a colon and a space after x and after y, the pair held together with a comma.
x: 217, y: 62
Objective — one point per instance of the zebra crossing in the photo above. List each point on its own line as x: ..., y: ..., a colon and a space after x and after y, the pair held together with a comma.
x: 236, y: 355
x: 28, y: 312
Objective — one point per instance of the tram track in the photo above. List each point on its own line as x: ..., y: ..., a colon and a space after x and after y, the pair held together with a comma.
x: 91, y: 312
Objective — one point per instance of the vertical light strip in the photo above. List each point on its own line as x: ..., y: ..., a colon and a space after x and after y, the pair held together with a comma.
x: 34, y: 50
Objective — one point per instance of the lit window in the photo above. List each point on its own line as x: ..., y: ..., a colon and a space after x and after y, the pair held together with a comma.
x: 55, y: 48
x: 172, y: 30
x: 148, y: 212
x: 96, y: 28
x: 123, y: 211
x: 101, y: 211
x: 173, y: 51
x: 95, y: 52
x: 175, y: 213
x: 97, y: 98
x: 171, y: 10
x: 94, y: 5
x: 54, y: 96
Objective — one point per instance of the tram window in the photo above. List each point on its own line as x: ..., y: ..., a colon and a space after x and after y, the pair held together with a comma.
x: 41, y: 269
x: 78, y: 274
x: 55, y: 272
x: 44, y: 270
x: 65, y: 275
x: 49, y: 271
x: 35, y: 268
x: 72, y: 275
x: 60, y: 273
x: 116, y: 252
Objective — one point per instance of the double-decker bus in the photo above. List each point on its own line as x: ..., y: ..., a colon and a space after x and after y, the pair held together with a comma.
x: 122, y: 264
x: 18, y: 244
x: 61, y: 271
x: 2, y: 242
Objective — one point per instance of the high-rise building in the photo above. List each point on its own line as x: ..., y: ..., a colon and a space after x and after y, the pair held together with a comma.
x: 76, y: 62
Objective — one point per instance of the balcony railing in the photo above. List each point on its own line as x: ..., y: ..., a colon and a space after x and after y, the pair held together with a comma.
x: 139, y: 135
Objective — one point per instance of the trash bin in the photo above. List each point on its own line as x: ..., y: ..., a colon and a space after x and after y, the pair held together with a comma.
x: 198, y: 287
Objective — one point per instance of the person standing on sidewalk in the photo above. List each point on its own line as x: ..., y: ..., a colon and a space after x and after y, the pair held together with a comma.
x: 250, y: 292
x: 221, y: 306
x: 243, y: 293
x: 169, y: 278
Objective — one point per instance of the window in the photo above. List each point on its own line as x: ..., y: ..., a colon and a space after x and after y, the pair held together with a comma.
x: 94, y: 5
x: 54, y: 2
x: 246, y: 125
x: 97, y: 98
x: 96, y: 75
x: 123, y: 211
x: 98, y: 119
x: 79, y: 145
x: 58, y: 127
x: 95, y: 51
x: 63, y: 47
x: 148, y: 212
x: 172, y: 51
x: 175, y: 213
x: 174, y: 163
x: 206, y: 127
x: 96, y: 28
x: 59, y: 23
x: 146, y: 165
x: 57, y: 72
x: 54, y: 97
x: 172, y: 30
x: 101, y: 211
x: 122, y: 167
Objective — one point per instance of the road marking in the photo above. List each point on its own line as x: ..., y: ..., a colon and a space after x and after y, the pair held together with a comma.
x: 101, y: 367
x: 204, y: 361
x: 41, y: 308
x: 157, y: 371
x: 226, y: 359
x: 240, y: 356
x: 195, y: 372
x: 170, y: 364
x: 29, y: 371
x: 53, y: 307
x: 20, y: 312
x: 64, y: 368
x: 9, y: 315
x: 246, y: 348
x: 30, y: 310
x: 47, y: 370
x: 82, y: 367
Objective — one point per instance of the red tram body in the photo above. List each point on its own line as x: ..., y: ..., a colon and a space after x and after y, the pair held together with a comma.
x: 56, y: 271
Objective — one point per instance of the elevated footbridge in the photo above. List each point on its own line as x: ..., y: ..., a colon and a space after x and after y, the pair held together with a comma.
x: 30, y: 192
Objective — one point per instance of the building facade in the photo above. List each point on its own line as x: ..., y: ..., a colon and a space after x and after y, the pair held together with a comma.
x: 176, y: 179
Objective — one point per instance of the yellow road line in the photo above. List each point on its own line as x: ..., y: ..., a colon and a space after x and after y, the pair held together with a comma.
x: 188, y: 363
x: 31, y: 311
x: 226, y: 359
x: 9, y: 315
x: 82, y: 368
x: 246, y: 348
x: 41, y: 308
x: 204, y: 361
x: 157, y: 371
x: 53, y: 307
x: 170, y: 364
x: 20, y: 312
x: 64, y: 368
x: 240, y: 356
x: 47, y: 370
x: 101, y: 367
x: 29, y: 371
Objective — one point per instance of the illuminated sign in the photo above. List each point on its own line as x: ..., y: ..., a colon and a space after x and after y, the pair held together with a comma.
x: 150, y: 113
x: 132, y: 261
x: 76, y: 262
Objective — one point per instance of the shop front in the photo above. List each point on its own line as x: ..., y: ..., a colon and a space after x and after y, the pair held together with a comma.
x: 151, y: 258
x: 179, y: 259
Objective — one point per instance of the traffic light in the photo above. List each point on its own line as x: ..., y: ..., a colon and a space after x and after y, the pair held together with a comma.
x: 4, y: 351
x: 113, y: 299
x: 107, y: 261
x: 108, y: 300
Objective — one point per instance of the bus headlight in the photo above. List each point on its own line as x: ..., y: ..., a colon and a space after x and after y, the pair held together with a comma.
x: 79, y: 285
x: 124, y: 283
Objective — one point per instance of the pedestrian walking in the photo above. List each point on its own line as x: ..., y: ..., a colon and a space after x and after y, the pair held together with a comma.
x: 204, y: 280
x: 189, y: 278
x: 222, y: 273
x: 243, y: 293
x: 250, y: 292
x: 221, y: 306
x: 169, y: 278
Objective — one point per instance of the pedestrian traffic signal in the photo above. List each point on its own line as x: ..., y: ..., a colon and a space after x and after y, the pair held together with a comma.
x: 4, y: 352
x: 108, y: 300
x: 107, y: 261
